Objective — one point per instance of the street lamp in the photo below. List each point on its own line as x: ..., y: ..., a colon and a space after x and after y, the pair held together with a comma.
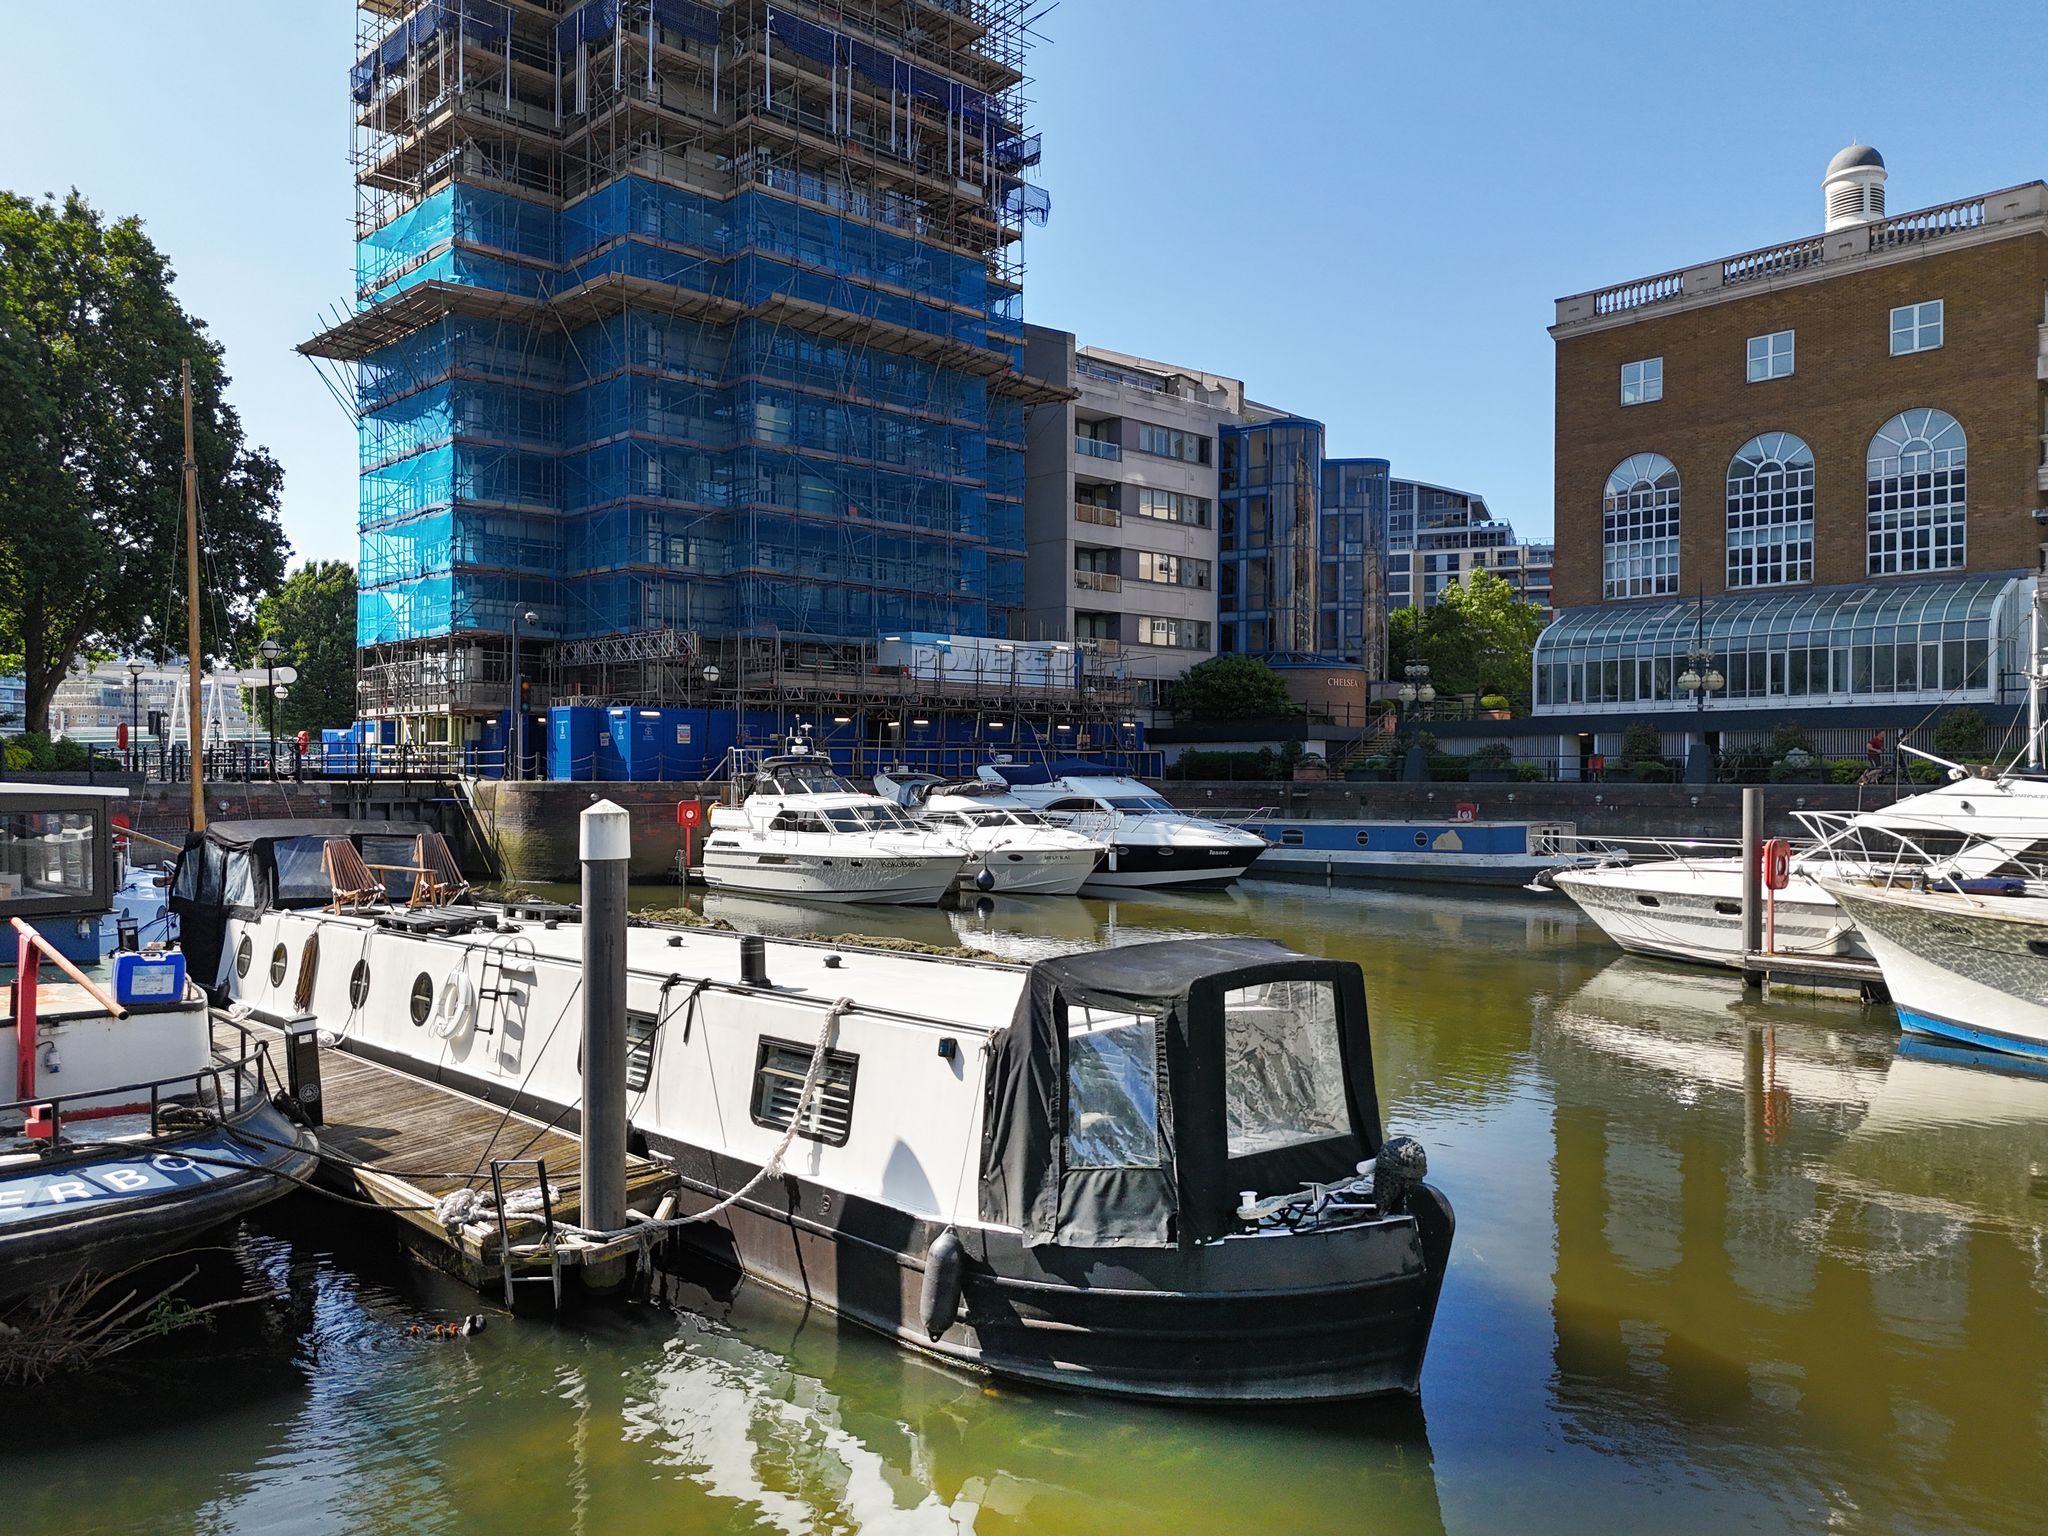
x: 1417, y: 688
x: 270, y: 650
x: 515, y: 732
x: 135, y: 671
x: 1699, y: 679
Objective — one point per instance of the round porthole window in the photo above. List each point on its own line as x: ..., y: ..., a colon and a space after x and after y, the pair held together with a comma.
x: 1422, y: 839
x: 278, y: 961
x: 422, y: 997
x: 359, y: 984
x: 245, y: 956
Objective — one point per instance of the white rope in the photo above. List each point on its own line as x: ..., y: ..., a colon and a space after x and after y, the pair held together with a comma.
x: 773, y: 1166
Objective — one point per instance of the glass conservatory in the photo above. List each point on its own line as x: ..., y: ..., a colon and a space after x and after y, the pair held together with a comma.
x: 1952, y: 640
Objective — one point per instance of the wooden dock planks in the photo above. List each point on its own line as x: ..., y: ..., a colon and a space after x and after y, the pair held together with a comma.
x: 405, y: 1143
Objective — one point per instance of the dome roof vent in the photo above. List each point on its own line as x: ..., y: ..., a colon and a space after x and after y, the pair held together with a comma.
x: 1854, y: 187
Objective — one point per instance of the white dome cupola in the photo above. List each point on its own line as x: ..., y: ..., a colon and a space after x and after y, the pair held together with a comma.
x: 1854, y: 186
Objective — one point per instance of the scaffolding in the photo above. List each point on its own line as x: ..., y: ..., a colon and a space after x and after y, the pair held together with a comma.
x: 675, y: 315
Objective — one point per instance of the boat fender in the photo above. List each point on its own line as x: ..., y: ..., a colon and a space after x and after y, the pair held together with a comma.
x: 1400, y: 1166
x: 938, y: 1302
x: 984, y: 879
x: 455, y: 1008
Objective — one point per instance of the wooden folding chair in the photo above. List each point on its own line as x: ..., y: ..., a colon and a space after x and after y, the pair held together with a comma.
x: 439, y: 879
x: 348, y: 876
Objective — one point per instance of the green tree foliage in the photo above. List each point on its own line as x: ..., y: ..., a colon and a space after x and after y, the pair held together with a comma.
x: 92, y: 555
x: 1960, y: 734
x: 1230, y: 688
x: 1478, y: 639
x: 313, y: 617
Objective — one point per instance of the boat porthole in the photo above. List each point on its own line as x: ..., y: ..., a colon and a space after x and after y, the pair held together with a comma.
x: 359, y: 984
x: 1422, y: 839
x: 2038, y: 947
x: 245, y: 955
x: 278, y: 961
x: 422, y: 997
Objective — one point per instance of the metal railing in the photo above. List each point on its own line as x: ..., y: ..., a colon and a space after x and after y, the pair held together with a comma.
x: 1107, y: 517
x: 249, y: 1088
x: 1098, y: 581
x: 1096, y: 448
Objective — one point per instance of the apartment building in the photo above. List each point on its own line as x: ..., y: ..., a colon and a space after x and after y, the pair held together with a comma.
x: 1437, y: 537
x: 1120, y: 506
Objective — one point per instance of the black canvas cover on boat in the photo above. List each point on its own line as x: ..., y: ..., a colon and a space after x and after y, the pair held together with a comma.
x: 1111, y: 1117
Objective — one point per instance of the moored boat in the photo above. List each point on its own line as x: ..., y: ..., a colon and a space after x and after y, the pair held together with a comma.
x: 1156, y: 1171
x: 1021, y: 851
x: 1150, y: 841
x: 1463, y: 852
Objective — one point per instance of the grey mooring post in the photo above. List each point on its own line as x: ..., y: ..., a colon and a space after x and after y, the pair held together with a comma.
x: 1752, y: 881
x: 604, y: 839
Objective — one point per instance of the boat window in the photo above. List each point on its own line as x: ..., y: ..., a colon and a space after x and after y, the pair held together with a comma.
x: 1728, y: 908
x: 842, y: 820
x: 779, y: 1071
x: 397, y: 856
x: 48, y: 853
x: 1283, y: 1069
x: 1291, y: 837
x: 1112, y: 1090
x: 422, y: 997
x: 1422, y: 839
x: 203, y: 858
x: 238, y: 887
x: 1071, y: 805
x: 278, y: 960
x: 301, y: 876
x: 359, y: 984
x: 1647, y: 901
x: 1363, y: 839
x: 1142, y: 805
x: 245, y: 956
x: 640, y: 1029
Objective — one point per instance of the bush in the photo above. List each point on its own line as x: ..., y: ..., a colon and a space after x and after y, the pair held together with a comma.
x: 1493, y: 701
x: 1788, y: 738
x: 1230, y: 688
x: 33, y: 752
x: 1925, y: 773
x: 1844, y: 770
x: 1495, y: 754
x: 1656, y: 771
x: 1961, y: 734
x: 1745, y: 765
x: 1640, y: 743
x: 1290, y: 757
x: 1528, y: 773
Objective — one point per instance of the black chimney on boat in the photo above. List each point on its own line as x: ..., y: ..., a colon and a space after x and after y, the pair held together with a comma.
x: 753, y: 960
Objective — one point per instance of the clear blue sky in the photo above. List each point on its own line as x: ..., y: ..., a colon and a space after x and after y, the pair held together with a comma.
x: 1364, y: 210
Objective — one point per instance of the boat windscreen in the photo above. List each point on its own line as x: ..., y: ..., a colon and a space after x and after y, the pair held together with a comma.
x: 788, y: 779
x: 1140, y: 805
x: 1283, y: 1067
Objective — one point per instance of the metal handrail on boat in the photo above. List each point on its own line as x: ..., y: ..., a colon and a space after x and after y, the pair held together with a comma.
x: 256, y: 1052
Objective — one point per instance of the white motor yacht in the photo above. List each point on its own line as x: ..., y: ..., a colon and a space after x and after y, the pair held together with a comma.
x: 1684, y: 906
x: 1021, y: 851
x: 804, y: 831
x: 1150, y: 842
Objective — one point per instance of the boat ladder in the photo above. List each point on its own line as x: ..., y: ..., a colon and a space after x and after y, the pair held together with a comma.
x: 499, y: 1167
x: 515, y: 960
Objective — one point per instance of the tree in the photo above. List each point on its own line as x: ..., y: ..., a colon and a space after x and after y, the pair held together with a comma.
x: 1477, y: 639
x: 313, y: 617
x: 1230, y: 688
x: 92, y: 552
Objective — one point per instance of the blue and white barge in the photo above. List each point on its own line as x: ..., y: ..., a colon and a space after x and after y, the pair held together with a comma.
x: 1466, y: 852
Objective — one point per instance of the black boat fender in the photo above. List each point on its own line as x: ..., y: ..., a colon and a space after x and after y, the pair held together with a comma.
x: 1401, y: 1166
x: 938, y: 1302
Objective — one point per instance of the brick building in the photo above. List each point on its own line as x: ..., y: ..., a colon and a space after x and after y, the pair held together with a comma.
x: 1811, y: 477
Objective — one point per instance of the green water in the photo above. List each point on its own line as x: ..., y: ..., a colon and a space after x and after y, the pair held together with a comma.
x: 1720, y: 1266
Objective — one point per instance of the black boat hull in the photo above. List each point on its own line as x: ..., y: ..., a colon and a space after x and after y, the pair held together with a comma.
x: 1207, y: 1323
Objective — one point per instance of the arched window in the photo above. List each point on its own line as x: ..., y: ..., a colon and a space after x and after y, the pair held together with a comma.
x: 1639, y: 528
x: 1918, y: 501
x: 1770, y: 512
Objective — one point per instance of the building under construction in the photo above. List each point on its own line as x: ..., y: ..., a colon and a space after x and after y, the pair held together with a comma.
x: 686, y: 340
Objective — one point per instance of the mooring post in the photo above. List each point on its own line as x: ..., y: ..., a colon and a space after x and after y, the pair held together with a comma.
x: 1752, y: 881
x: 604, y: 839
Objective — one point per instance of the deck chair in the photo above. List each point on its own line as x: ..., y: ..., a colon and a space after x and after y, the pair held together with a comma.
x: 350, y: 879
x: 438, y: 880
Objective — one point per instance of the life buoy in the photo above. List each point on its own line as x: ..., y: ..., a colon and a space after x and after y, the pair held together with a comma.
x: 1777, y: 862
x: 455, y: 1008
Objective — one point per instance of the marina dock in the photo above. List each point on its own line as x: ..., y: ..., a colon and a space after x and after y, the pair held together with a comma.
x: 1826, y: 975
x: 406, y: 1144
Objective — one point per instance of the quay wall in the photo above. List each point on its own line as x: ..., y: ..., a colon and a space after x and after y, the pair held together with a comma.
x: 531, y: 827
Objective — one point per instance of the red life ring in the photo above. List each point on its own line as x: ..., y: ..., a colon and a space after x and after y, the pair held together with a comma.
x: 1777, y: 862
x: 689, y: 813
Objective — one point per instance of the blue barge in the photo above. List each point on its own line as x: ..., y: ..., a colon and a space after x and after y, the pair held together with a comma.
x: 1453, y: 850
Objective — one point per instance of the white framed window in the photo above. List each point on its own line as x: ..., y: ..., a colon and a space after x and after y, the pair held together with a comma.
x: 1916, y: 327
x: 1643, y: 381
x: 1639, y: 528
x: 1918, y: 494
x: 1770, y: 357
x: 1770, y: 512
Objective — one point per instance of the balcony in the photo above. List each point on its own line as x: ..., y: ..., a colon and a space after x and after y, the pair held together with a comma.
x: 1096, y: 448
x: 1106, y: 517
x: 2041, y: 357
x: 1098, y: 581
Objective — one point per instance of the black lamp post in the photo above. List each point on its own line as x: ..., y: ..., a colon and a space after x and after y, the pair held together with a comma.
x: 1699, y: 679
x: 270, y: 650
x: 1417, y: 689
x: 135, y: 671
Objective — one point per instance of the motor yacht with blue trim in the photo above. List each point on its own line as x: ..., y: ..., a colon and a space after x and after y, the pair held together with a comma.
x: 1156, y: 1171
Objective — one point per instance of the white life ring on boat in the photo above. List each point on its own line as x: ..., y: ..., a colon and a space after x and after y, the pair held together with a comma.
x: 455, y: 1008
